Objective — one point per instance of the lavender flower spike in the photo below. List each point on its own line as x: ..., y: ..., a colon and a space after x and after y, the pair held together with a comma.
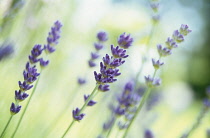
x: 178, y: 36
x: 184, y: 29
x: 125, y: 41
x: 157, y: 63
x: 163, y: 51
x: 53, y: 37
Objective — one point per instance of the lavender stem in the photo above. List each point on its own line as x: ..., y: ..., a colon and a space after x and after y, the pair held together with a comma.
x: 5, y: 128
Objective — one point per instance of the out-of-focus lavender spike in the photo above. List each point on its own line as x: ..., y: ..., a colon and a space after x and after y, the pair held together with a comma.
x: 102, y: 36
x: 125, y: 41
x: 152, y: 82
x: 157, y: 63
x: 6, y: 50
x: 81, y: 81
x: 184, y: 29
x: 163, y: 51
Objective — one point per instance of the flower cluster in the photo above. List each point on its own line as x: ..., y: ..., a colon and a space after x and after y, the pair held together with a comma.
x: 108, y: 68
x: 30, y: 73
x: 155, y: 5
x: 177, y: 37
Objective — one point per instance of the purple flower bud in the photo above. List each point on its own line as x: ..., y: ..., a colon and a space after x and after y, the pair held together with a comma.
x: 128, y: 86
x: 76, y: 114
x: 178, y: 36
x: 91, y: 102
x: 14, y: 109
x: 152, y: 82
x: 125, y: 41
x: 43, y: 63
x: 20, y: 96
x: 24, y: 86
x: 122, y: 125
x: 118, y: 53
x: 102, y: 36
x: 119, y: 111
x: 184, y: 29
x: 163, y: 51
x: 5, y: 51
x: 91, y: 63
x: 171, y: 43
x: 103, y: 88
x: 94, y: 55
x: 81, y: 81
x: 98, y: 46
x: 157, y: 63
x: 148, y: 134
x: 49, y: 49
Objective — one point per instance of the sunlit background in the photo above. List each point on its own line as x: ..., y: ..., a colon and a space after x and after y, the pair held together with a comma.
x: 185, y: 75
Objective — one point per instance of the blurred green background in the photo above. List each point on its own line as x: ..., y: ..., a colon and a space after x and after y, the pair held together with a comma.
x: 185, y: 75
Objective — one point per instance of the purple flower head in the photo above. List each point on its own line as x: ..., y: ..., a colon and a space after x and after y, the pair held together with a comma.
x: 118, y: 53
x: 30, y: 73
x: 24, y: 86
x: 163, y: 51
x: 43, y: 63
x: 119, y: 111
x: 125, y: 41
x: 91, y: 63
x: 178, y: 36
x: 53, y: 37
x: 6, y: 50
x: 103, y: 88
x: 49, y: 49
x: 128, y: 86
x: 148, y: 134
x: 20, y: 96
x: 76, y: 114
x: 157, y: 63
x: 184, y: 29
x: 14, y: 109
x: 152, y: 82
x: 102, y: 36
x: 81, y: 81
x: 91, y: 102
x: 206, y: 103
x: 94, y: 55
x: 171, y: 43
x: 98, y: 46
x: 35, y: 52
x: 112, y: 62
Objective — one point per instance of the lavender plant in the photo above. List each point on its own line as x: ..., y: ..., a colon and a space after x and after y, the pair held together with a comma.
x: 152, y: 81
x: 31, y: 75
x: 108, y: 73
x: 6, y: 50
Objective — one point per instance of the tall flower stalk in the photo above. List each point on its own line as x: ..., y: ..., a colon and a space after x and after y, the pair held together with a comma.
x: 108, y: 73
x: 31, y: 75
x: 152, y: 81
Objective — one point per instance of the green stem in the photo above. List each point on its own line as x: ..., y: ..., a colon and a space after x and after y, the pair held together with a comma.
x: 27, y: 104
x: 5, y: 128
x: 93, y: 94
